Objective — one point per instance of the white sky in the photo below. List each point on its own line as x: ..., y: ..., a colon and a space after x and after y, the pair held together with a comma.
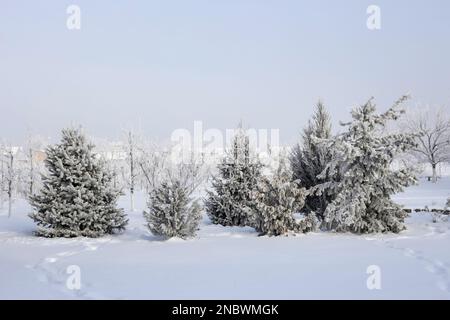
x: 159, y: 65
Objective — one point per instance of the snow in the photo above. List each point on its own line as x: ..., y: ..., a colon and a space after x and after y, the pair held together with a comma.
x: 425, y: 194
x: 231, y: 262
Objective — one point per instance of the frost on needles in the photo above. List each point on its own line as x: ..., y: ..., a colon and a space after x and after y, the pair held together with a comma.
x: 172, y: 212
x: 230, y: 201
x: 364, y: 156
x: 308, y: 159
x: 77, y: 198
x: 276, y: 200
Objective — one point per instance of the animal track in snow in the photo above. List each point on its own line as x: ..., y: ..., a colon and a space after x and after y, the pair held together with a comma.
x: 436, y: 267
x: 56, y: 276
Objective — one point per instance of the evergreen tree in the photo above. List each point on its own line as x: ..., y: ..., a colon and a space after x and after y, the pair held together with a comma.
x: 230, y: 201
x: 77, y: 198
x: 364, y: 155
x: 172, y: 212
x: 310, y: 158
x: 276, y: 200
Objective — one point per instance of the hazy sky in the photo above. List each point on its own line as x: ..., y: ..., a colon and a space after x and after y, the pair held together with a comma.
x: 160, y: 65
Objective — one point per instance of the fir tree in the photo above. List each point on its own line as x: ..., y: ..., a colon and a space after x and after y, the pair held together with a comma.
x: 276, y: 200
x: 230, y: 201
x: 172, y: 212
x: 77, y: 198
x: 364, y: 155
x: 310, y: 158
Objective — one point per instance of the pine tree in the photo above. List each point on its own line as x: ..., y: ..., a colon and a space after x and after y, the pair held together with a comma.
x: 172, y: 212
x: 77, y: 198
x: 309, y: 159
x: 364, y: 155
x: 230, y: 201
x: 276, y: 200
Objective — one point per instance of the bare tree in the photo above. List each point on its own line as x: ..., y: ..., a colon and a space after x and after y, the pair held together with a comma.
x: 153, y: 162
x: 191, y: 173
x: 2, y: 175
x: 31, y: 176
x: 433, y: 141
x: 34, y: 167
x: 131, y: 159
x: 133, y: 170
x: 156, y: 166
x: 8, y: 174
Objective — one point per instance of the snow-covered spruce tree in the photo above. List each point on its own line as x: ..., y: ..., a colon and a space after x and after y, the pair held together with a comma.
x: 172, y: 212
x: 230, y: 201
x: 276, y: 199
x: 309, y: 159
x: 77, y: 197
x: 364, y: 155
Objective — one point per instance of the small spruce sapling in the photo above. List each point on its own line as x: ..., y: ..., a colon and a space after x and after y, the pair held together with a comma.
x: 172, y: 211
x: 230, y: 201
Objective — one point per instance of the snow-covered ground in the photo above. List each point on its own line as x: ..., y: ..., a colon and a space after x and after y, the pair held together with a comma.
x: 232, y: 263
x: 425, y: 194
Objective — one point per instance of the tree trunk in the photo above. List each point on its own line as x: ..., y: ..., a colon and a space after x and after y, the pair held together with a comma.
x: 132, y: 182
x: 2, y: 182
x: 132, y: 200
x: 434, y: 173
x: 10, y: 183
x: 31, y: 172
x: 9, y: 206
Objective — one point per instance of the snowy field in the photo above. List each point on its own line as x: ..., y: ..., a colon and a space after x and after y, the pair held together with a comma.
x: 231, y: 263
